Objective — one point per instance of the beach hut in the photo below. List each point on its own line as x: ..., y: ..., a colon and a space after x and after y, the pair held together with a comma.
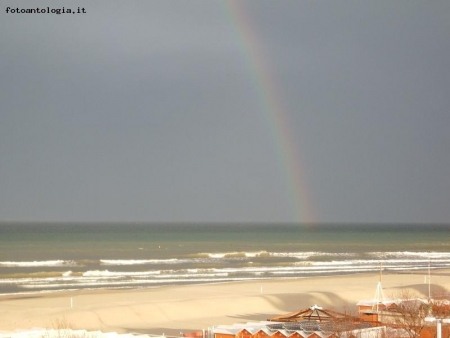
x: 297, y: 334
x: 262, y: 333
x: 244, y: 334
x: 372, y: 310
x: 280, y: 334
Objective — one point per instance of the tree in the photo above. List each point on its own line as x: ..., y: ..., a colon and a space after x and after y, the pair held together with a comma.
x: 61, y: 328
x: 407, y: 316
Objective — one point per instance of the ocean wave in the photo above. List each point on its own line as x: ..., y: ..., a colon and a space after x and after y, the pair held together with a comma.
x: 114, y: 284
x: 108, y: 278
x: 112, y: 279
x: 205, y: 257
x: 311, y: 254
x: 209, y: 268
x: 107, y: 273
x: 410, y: 254
x: 37, y: 263
x: 254, y: 254
x: 234, y: 254
x: 295, y: 268
x: 265, y: 254
x: 137, y: 261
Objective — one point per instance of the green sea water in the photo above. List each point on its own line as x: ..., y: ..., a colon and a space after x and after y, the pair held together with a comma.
x: 43, y: 256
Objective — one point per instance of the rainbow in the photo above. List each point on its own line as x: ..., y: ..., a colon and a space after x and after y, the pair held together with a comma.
x: 271, y: 101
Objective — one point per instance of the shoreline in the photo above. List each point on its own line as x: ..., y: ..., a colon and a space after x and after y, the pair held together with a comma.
x: 184, y: 308
x: 18, y: 295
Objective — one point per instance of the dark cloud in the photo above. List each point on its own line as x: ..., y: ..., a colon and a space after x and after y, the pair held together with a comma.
x: 149, y: 111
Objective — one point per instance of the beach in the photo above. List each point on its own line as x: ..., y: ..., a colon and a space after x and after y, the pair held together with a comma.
x: 171, y: 310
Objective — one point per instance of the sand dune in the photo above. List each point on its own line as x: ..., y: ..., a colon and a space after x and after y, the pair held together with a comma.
x: 175, y: 309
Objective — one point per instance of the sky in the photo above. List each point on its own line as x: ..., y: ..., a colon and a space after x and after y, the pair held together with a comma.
x: 226, y: 111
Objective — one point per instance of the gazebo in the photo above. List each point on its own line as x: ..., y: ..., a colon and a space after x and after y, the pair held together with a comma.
x: 317, y: 314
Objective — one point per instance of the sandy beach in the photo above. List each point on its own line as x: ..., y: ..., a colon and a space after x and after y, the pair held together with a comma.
x: 175, y: 309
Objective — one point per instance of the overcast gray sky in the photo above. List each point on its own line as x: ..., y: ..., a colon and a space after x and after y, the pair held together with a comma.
x: 154, y: 111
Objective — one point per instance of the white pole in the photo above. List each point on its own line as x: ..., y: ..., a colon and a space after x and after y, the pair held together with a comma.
x: 71, y: 302
x: 429, y: 281
x: 439, y: 322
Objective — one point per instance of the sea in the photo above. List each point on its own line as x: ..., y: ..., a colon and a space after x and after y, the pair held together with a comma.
x: 51, y: 257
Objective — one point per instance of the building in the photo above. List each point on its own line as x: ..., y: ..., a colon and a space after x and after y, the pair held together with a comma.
x: 317, y: 314
x: 270, y: 329
x: 313, y: 322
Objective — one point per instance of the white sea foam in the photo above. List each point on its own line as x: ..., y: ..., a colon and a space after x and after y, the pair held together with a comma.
x: 298, y: 255
x: 36, y: 263
x: 219, y: 268
x: 115, y: 284
x: 236, y: 254
x: 409, y: 254
x: 398, y: 257
x: 310, y: 254
x: 106, y: 273
x: 137, y: 261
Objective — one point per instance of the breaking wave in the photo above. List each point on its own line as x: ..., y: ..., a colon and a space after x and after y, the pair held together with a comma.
x: 37, y: 263
x: 206, y: 268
